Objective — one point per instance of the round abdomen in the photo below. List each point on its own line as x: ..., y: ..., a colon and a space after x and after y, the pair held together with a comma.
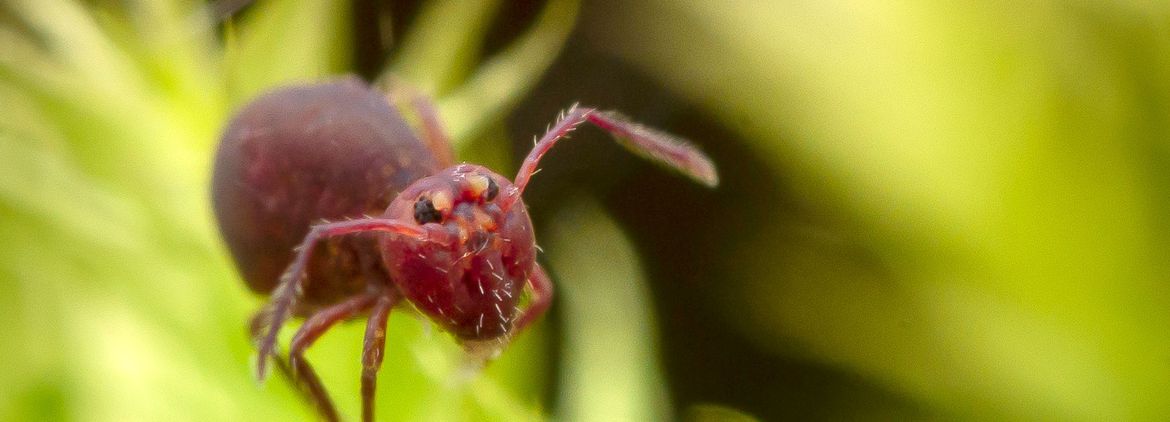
x: 303, y: 154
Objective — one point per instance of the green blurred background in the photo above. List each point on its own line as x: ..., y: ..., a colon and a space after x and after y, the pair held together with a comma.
x: 929, y: 210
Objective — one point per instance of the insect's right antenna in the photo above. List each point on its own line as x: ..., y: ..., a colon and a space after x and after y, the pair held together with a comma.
x: 658, y: 146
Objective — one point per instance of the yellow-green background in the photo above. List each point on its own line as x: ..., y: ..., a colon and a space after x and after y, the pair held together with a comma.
x: 929, y: 209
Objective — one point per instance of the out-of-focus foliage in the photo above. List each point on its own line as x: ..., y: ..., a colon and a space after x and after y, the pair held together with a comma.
x: 1001, y: 165
x: 609, y: 370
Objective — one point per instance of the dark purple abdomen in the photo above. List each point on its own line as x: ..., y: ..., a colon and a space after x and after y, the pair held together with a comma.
x: 299, y: 155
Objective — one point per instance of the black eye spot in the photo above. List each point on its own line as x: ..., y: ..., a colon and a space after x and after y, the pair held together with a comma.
x: 425, y: 212
x: 492, y: 190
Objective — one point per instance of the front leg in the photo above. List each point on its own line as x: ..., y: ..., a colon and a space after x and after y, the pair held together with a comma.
x: 292, y: 283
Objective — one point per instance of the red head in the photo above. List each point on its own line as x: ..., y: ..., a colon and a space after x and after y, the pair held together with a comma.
x: 470, y: 281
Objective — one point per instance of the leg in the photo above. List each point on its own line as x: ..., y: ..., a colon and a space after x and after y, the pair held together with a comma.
x: 542, y: 294
x: 311, y: 390
x: 372, y: 352
x: 432, y: 130
x: 314, y: 327
x: 436, y: 138
x: 664, y: 148
x: 292, y: 282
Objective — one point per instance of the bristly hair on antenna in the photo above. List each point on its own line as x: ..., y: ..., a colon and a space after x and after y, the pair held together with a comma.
x: 660, y: 147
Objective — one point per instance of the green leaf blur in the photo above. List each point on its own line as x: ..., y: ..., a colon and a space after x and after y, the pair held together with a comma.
x: 1003, y: 163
